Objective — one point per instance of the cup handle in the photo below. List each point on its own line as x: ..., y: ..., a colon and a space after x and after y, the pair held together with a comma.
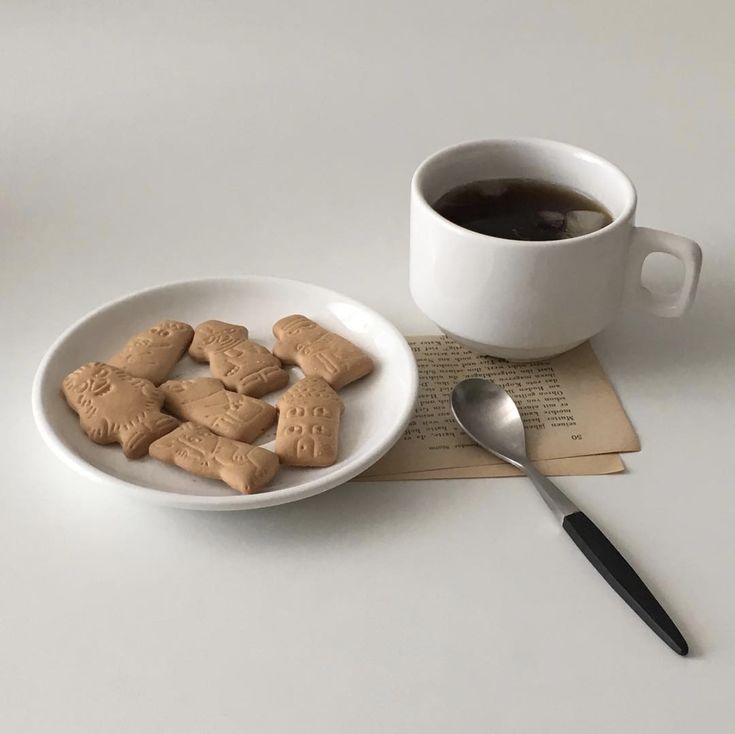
x: 646, y: 241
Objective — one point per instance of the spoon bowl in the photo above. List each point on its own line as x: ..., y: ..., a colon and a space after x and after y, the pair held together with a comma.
x: 488, y: 415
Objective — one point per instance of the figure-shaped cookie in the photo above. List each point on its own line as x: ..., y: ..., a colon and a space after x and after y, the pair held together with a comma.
x: 242, y: 365
x: 319, y: 352
x: 153, y: 353
x: 195, y: 448
x: 115, y: 407
x: 204, y: 401
x: 309, y: 413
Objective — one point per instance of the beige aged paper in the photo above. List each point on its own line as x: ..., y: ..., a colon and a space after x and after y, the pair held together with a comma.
x: 570, y: 466
x: 568, y: 406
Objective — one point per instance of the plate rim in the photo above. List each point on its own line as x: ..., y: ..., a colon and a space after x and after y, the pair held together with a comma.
x: 225, y: 502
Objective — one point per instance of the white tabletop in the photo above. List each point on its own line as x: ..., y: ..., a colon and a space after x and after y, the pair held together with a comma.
x: 145, y: 142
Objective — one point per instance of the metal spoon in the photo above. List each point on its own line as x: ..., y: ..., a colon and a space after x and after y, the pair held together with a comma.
x: 488, y: 415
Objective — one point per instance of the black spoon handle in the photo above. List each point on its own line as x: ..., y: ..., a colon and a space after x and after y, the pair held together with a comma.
x: 603, y: 555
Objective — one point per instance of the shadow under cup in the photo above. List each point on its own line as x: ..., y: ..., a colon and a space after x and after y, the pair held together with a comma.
x: 517, y: 299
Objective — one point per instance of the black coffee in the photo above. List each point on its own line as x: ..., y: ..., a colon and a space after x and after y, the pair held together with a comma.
x: 522, y: 209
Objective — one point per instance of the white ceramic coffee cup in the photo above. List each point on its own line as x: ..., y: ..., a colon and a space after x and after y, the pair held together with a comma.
x: 531, y: 300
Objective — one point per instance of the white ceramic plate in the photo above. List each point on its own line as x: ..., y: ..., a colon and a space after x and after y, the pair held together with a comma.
x: 377, y: 408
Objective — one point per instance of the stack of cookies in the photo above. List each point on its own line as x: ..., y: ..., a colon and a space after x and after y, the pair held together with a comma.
x: 128, y: 400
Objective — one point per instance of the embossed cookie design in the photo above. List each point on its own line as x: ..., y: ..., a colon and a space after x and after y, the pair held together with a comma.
x: 309, y: 414
x: 115, y: 407
x: 205, y: 401
x: 153, y: 353
x: 242, y: 365
x: 319, y: 352
x: 196, y: 449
